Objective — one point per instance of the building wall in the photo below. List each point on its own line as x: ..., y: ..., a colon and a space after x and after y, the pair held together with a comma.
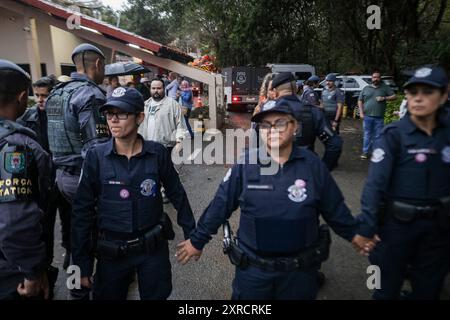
x: 63, y: 44
x: 12, y: 37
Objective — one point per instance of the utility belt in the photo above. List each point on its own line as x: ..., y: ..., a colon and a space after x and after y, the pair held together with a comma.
x: 305, y: 260
x: 405, y: 212
x: 150, y: 241
x: 74, y: 171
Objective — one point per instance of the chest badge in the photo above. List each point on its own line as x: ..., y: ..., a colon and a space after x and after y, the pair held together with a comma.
x: 446, y: 154
x: 421, y: 157
x: 297, y: 192
x: 124, y: 194
x: 148, y: 188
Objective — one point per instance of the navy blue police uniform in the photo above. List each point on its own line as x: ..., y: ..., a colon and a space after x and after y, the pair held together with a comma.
x: 119, y: 201
x: 309, y: 95
x: 75, y: 123
x: 279, y: 246
x: 406, y: 200
x: 313, y: 125
x: 36, y: 119
x: 25, y: 170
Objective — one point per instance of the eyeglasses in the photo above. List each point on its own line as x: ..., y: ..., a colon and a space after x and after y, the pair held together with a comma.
x: 424, y: 91
x: 280, y: 125
x: 118, y: 115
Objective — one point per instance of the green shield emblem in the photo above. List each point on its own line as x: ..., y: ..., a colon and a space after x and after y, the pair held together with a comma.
x: 15, y: 162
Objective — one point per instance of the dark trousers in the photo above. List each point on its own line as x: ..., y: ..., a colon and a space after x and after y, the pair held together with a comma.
x: 331, y: 117
x: 424, y: 247
x: 254, y: 283
x: 112, y: 277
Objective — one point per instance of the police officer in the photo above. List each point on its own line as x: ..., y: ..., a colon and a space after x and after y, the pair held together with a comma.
x: 24, y: 181
x: 406, y: 199
x: 309, y: 96
x: 332, y: 102
x: 74, y: 122
x: 35, y: 118
x: 122, y: 178
x: 279, y: 245
x: 313, y: 122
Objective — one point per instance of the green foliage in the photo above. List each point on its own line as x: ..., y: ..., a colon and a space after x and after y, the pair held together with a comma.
x: 331, y: 35
x: 392, y: 108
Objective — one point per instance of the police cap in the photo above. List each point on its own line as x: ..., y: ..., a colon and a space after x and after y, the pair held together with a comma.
x: 313, y: 79
x: 282, y: 78
x: 126, y: 99
x: 84, y: 47
x: 281, y: 106
x: 432, y: 76
x: 331, y: 77
x: 8, y: 65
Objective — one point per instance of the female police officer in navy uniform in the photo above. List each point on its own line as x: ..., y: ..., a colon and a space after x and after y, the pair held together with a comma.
x: 279, y: 248
x: 406, y: 199
x: 122, y: 178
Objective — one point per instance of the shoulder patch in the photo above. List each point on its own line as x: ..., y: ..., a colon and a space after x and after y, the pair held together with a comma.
x: 378, y: 155
x: 15, y: 162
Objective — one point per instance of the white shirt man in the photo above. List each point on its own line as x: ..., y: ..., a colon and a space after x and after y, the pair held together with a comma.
x: 163, y: 121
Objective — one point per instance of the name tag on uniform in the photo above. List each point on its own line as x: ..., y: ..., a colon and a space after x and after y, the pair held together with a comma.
x: 260, y: 187
x: 116, y: 182
x: 426, y: 151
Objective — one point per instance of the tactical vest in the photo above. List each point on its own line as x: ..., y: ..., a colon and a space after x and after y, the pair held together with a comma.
x: 18, y: 171
x: 129, y: 206
x: 330, y: 105
x: 64, y: 134
x: 305, y: 136
x: 432, y: 175
x: 278, y: 217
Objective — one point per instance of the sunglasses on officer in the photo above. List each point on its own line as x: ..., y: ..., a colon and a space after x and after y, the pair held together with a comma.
x: 119, y: 115
x: 280, y: 125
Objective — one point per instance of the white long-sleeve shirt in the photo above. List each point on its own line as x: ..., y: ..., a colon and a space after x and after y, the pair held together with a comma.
x: 163, y: 122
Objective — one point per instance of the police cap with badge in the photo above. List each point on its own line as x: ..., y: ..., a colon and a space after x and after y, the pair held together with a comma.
x: 281, y: 106
x: 126, y: 99
x: 434, y: 76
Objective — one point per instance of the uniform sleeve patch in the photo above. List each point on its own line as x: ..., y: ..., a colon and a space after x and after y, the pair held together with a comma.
x: 378, y: 155
x: 15, y: 162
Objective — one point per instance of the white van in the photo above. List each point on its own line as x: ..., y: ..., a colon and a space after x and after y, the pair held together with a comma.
x: 300, y: 71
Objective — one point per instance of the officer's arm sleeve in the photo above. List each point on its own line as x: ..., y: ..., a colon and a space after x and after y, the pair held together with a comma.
x: 332, y: 205
x: 20, y: 226
x: 333, y: 143
x: 176, y: 193
x: 220, y: 209
x: 377, y: 183
x: 21, y: 238
x: 83, y: 215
